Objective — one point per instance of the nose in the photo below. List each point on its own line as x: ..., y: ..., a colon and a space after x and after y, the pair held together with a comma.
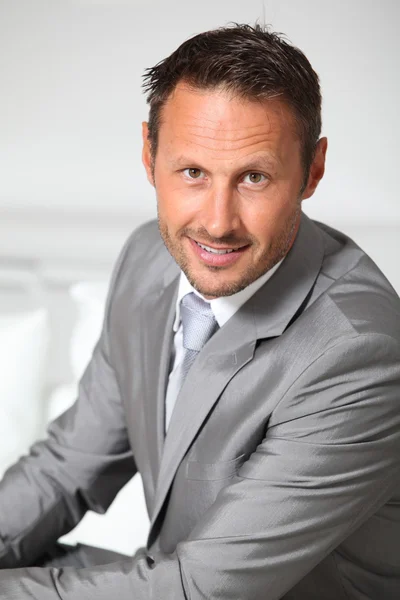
x: 220, y: 214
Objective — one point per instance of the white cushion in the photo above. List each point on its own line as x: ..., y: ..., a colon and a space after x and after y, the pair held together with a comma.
x: 60, y: 400
x: 89, y: 299
x: 24, y: 340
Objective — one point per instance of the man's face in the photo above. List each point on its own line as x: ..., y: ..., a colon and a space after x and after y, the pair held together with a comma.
x: 228, y: 177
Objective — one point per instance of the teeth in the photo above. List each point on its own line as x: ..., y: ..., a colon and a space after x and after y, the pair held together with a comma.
x: 213, y: 250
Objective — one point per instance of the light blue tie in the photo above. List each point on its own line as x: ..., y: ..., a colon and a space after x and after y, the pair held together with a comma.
x: 198, y: 324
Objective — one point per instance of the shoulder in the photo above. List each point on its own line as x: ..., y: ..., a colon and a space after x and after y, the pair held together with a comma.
x: 345, y: 345
x: 144, y: 258
x: 352, y: 293
x: 144, y: 237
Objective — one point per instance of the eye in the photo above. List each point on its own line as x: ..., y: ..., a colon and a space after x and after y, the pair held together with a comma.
x: 193, y: 173
x: 254, y: 178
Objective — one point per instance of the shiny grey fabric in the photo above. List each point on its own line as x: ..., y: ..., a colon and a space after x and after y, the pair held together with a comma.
x: 79, y: 556
x: 198, y: 322
x: 198, y: 325
x: 279, y: 474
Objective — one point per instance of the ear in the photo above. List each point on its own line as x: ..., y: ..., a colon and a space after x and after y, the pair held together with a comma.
x: 146, y: 153
x: 317, y: 168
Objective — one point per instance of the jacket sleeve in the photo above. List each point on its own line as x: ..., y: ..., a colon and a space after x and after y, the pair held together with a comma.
x: 329, y: 460
x: 81, y: 465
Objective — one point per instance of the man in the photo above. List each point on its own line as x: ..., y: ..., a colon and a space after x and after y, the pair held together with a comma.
x: 265, y: 346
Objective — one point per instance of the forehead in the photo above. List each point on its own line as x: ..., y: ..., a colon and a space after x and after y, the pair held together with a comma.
x: 219, y: 120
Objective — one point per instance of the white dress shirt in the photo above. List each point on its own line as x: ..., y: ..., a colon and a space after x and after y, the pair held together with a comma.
x: 223, y: 308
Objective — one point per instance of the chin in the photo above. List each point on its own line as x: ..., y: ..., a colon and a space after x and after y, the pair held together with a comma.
x: 216, y: 290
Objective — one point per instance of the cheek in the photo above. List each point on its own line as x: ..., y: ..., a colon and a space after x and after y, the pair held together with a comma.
x: 268, y: 218
x: 265, y: 213
x: 176, y: 197
x: 174, y: 207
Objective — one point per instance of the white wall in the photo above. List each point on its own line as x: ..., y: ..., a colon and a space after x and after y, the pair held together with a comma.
x: 71, y: 107
x: 71, y: 181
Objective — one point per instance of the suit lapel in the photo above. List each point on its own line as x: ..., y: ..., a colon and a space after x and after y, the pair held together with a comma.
x: 278, y: 302
x: 157, y: 317
x: 225, y: 353
x: 265, y: 315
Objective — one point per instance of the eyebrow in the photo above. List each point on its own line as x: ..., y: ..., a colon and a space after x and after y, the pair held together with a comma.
x: 257, y: 162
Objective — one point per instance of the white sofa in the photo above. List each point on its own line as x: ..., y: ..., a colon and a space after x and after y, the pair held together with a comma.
x: 28, y: 402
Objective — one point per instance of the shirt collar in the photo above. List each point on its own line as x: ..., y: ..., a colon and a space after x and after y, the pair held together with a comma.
x: 225, y: 307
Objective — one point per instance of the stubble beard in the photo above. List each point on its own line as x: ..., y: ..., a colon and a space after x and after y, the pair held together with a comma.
x: 277, y: 250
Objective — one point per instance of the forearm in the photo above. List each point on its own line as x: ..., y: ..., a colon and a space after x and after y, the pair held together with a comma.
x: 34, y: 511
x: 43, y: 497
x: 84, y: 462
x: 131, y: 579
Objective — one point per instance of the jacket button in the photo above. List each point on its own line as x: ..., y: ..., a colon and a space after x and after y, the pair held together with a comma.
x: 150, y: 561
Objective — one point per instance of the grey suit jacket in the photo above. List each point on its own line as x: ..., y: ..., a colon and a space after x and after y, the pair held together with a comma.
x: 279, y: 474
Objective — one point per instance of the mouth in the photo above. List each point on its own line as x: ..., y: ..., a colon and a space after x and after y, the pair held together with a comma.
x: 217, y: 257
x: 218, y: 250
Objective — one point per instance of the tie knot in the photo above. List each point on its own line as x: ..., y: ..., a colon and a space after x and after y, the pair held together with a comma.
x: 198, y: 322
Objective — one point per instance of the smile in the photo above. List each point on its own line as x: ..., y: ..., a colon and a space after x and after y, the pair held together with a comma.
x: 214, y: 251
x: 217, y: 257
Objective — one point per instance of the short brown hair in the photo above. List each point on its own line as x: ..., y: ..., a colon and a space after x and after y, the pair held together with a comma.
x: 251, y: 62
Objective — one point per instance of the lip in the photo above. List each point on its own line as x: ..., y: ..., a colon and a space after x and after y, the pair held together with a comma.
x: 218, y: 247
x: 217, y: 260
